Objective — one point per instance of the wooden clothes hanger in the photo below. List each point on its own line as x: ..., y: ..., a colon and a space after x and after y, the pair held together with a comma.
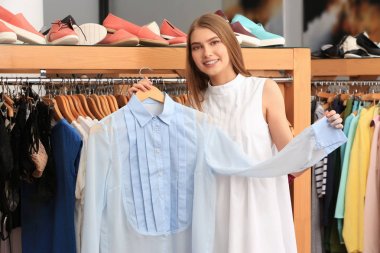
x: 122, y: 100
x: 9, y: 108
x: 154, y: 93
x: 73, y: 110
x: 113, y: 98
x: 92, y: 105
x: 51, y: 102
x: 83, y: 102
x: 104, y: 105
x: 110, y: 103
x: 64, y: 108
x: 79, y: 106
x: 98, y: 104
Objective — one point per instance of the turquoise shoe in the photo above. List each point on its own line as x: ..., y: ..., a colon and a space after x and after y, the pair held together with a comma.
x: 266, y: 38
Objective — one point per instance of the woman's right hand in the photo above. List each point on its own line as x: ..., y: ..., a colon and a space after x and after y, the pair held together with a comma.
x: 143, y: 85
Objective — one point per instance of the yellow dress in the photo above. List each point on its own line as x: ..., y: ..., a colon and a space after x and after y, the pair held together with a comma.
x: 356, y: 183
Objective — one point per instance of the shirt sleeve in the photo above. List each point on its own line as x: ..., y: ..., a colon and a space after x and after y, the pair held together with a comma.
x: 223, y: 156
x: 98, y: 165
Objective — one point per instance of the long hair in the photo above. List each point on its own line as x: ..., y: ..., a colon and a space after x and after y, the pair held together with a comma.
x: 197, y: 81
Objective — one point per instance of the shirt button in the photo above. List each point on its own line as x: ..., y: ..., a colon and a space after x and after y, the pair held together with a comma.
x: 157, y: 151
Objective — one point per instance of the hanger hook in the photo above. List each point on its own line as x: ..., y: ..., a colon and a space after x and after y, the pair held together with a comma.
x: 144, y: 68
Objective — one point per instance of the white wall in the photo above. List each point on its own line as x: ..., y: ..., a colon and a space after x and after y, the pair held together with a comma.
x: 179, y: 12
x: 83, y: 11
x: 293, y: 20
x: 31, y: 9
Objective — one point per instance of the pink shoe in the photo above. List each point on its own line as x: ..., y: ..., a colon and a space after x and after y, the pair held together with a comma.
x: 7, y: 36
x: 178, y: 42
x: 169, y: 31
x: 61, y: 34
x: 120, y: 38
x: 24, y: 30
x: 146, y: 37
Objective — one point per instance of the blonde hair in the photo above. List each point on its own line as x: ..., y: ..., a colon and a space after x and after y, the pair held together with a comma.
x: 197, y: 81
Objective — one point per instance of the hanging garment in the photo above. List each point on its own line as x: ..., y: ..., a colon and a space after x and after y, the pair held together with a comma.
x: 150, y: 180
x: 316, y: 207
x: 340, y: 203
x: 320, y: 169
x: 331, y: 238
x: 86, y: 124
x: 372, y: 196
x: 254, y: 214
x: 356, y: 183
x: 346, y: 128
x: 48, y: 224
x: 348, y: 109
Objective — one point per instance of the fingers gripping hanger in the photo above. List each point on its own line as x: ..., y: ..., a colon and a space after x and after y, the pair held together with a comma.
x: 154, y: 93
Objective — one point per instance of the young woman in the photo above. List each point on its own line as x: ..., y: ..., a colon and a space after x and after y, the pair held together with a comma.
x: 253, y: 215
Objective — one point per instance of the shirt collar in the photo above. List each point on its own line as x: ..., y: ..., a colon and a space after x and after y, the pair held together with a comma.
x: 143, y: 116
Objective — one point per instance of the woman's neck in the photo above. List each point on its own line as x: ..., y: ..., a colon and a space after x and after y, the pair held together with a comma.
x: 215, y: 81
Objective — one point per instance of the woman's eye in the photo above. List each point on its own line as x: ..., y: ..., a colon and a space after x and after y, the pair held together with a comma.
x: 194, y: 48
x: 214, y: 42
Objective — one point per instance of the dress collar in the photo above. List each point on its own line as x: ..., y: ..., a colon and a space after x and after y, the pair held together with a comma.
x: 227, y: 87
x: 143, y: 116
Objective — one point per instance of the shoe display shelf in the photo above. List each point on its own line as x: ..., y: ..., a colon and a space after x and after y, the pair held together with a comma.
x: 360, y: 74
x: 293, y: 63
x: 369, y: 67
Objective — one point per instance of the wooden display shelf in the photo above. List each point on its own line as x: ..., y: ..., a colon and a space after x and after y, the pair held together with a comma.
x: 345, y: 67
x: 28, y: 58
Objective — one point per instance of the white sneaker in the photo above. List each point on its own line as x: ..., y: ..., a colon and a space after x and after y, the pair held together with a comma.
x: 90, y: 33
x: 352, y: 50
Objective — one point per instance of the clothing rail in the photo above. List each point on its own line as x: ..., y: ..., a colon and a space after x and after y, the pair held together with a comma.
x: 343, y: 82
x: 125, y: 80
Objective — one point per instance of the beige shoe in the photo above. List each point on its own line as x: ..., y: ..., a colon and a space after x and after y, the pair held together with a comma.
x: 153, y: 26
x: 90, y: 33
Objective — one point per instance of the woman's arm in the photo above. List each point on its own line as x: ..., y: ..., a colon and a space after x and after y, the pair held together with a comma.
x: 275, y: 116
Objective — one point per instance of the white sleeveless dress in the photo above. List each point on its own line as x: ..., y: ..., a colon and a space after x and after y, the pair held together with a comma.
x: 252, y: 214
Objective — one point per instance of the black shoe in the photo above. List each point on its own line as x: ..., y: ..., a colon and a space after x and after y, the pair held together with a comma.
x: 331, y: 51
x: 69, y: 20
x: 372, y: 49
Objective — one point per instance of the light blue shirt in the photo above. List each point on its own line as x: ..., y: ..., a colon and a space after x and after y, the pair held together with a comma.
x: 150, y: 180
x: 340, y: 202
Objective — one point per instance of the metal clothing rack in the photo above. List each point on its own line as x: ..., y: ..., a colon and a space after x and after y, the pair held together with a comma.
x: 344, y: 86
x: 124, y: 80
x: 345, y: 82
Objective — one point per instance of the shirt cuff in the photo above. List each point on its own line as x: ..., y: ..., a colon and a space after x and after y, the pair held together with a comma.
x: 326, y: 136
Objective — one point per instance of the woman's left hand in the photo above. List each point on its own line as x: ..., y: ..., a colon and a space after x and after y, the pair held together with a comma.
x: 334, y: 119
